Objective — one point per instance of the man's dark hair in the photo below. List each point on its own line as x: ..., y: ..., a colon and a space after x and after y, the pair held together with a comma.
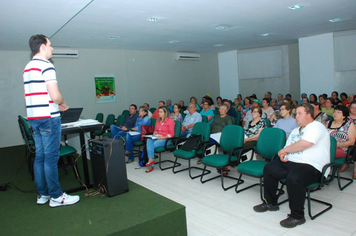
x: 316, y: 104
x: 267, y: 100
x: 162, y: 102
x: 133, y: 105
x: 36, y: 41
x: 337, y: 94
x: 148, y: 105
x: 309, y: 109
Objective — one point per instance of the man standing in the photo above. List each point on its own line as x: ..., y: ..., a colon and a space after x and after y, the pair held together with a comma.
x: 120, y: 132
x: 190, y: 119
x: 301, y: 161
x: 43, y: 103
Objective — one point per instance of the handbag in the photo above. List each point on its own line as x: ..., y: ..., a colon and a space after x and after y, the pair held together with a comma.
x: 146, y: 129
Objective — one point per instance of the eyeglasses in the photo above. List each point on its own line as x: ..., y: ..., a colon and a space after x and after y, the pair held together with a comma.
x: 337, y: 111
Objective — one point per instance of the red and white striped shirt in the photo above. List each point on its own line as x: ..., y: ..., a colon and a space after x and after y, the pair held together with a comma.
x: 37, y: 74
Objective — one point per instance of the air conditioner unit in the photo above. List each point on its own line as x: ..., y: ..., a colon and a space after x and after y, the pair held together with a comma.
x: 187, y: 56
x: 65, y: 53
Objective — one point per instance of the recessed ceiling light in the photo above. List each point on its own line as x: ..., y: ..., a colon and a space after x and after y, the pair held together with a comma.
x: 295, y: 7
x: 265, y: 35
x: 153, y: 19
x: 221, y: 27
x: 336, y: 20
x: 114, y: 37
x: 173, y: 41
x: 219, y: 45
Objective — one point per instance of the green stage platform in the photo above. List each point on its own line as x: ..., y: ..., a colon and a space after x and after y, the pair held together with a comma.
x: 137, y: 212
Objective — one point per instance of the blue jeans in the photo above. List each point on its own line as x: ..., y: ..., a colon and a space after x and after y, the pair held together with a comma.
x: 186, y: 133
x: 129, y: 143
x: 47, y: 135
x: 116, y: 132
x: 152, y: 144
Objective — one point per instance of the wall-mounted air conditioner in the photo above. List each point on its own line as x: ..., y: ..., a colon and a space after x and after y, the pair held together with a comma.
x: 187, y: 56
x: 65, y: 53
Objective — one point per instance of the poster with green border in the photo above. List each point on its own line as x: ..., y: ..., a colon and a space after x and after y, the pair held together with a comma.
x: 105, y: 88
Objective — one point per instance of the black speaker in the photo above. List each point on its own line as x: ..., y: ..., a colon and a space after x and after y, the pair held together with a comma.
x: 108, y: 165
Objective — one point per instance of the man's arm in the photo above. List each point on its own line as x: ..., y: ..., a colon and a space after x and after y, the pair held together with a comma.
x: 54, y: 93
x: 299, y: 146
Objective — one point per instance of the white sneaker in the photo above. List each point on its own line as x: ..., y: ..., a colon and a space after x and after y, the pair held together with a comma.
x: 63, y: 200
x: 42, y: 199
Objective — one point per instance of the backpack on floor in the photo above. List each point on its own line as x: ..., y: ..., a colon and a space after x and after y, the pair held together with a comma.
x: 143, y: 159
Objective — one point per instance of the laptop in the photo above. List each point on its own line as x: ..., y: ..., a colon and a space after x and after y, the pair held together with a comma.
x: 71, y: 115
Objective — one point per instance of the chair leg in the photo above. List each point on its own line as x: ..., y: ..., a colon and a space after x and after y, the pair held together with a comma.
x: 349, y: 181
x: 239, y: 181
x: 329, y: 206
x: 222, y: 179
x: 169, y: 167
x: 205, y: 172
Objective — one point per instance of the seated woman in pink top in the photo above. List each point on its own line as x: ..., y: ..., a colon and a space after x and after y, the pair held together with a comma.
x: 164, y: 129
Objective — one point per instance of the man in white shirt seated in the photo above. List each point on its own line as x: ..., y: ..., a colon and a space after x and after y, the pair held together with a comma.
x: 189, y: 121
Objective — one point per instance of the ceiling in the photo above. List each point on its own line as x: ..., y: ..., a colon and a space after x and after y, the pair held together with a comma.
x: 90, y: 24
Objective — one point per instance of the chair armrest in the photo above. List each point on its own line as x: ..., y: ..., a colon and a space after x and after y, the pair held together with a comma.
x: 172, y: 139
x: 208, y: 145
x: 324, y: 180
x: 241, y: 151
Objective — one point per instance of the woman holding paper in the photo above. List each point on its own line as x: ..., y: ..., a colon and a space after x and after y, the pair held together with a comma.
x: 164, y: 129
x: 135, y: 133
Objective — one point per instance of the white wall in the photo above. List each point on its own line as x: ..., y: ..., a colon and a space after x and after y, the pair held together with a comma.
x: 228, y: 75
x: 316, y: 55
x: 139, y: 77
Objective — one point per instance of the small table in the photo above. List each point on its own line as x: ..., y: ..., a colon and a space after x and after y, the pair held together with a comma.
x: 81, y: 130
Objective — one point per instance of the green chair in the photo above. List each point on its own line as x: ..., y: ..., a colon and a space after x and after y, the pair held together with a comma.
x: 153, y: 121
x: 231, y: 142
x: 322, y: 182
x: 270, y: 141
x: 110, y: 120
x: 233, y: 119
x: 268, y: 122
x: 350, y: 157
x: 153, y: 109
x: 169, y: 147
x: 331, y: 118
x: 204, y: 119
x: 99, y: 117
x: 65, y: 151
x: 120, y: 120
x: 126, y: 113
x: 200, y: 128
x: 238, y: 118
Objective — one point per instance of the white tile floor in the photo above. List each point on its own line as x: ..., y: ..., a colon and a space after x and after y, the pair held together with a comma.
x: 212, y: 211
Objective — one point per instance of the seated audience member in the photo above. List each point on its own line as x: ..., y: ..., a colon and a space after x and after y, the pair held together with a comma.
x: 318, y: 115
x: 155, y: 114
x: 207, y: 112
x: 279, y: 99
x: 344, y: 100
x: 169, y: 105
x: 182, y: 107
x: 352, y: 116
x: 289, y: 96
x: 239, y: 97
x: 203, y: 99
x: 344, y: 131
x: 253, y: 96
x: 287, y: 122
x: 254, y: 127
x: 230, y: 111
x: 212, y: 106
x: 164, y: 129
x: 237, y: 105
x: 303, y: 95
x: 335, y: 96
x: 267, y: 109
x: 246, y: 107
x: 148, y: 109
x: 274, y: 104
x: 120, y: 132
x: 248, y: 117
x: 175, y: 115
x: 322, y: 100
x: 142, y: 119
x: 350, y: 99
x: 219, y: 102
x: 268, y: 95
x: 190, y: 119
x: 221, y: 120
x: 329, y: 106
x: 312, y: 98
x: 195, y: 102
x: 305, y: 100
x: 296, y: 166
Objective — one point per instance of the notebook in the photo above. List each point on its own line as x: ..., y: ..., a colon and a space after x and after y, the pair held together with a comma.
x: 71, y: 115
